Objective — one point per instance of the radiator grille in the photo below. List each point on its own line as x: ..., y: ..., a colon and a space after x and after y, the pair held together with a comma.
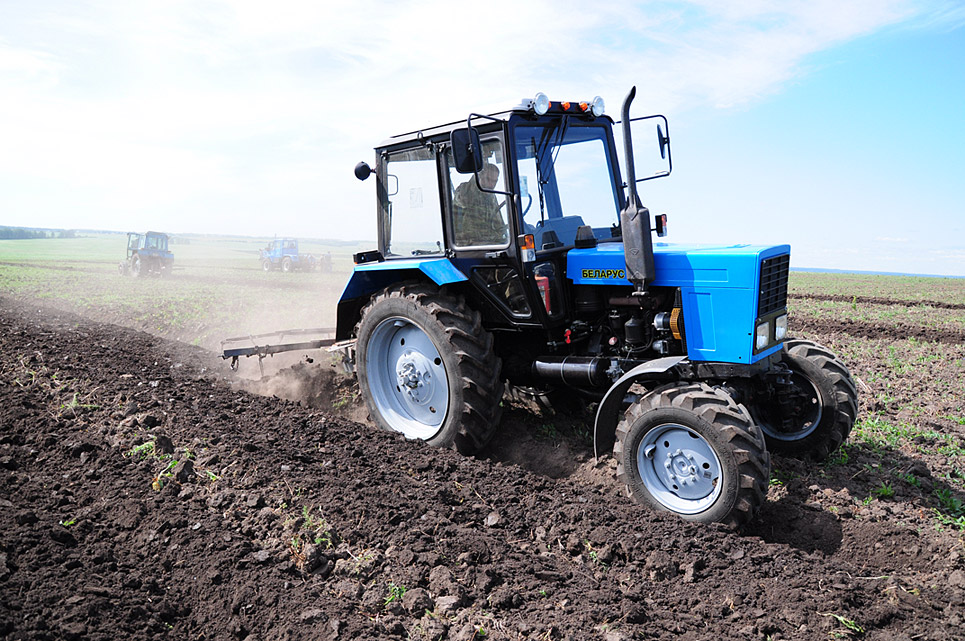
x: 773, y: 284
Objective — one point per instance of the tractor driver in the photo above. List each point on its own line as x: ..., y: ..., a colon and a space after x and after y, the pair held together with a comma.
x: 477, y: 220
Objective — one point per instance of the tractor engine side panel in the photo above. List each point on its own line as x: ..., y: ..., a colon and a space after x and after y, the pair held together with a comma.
x: 719, y: 288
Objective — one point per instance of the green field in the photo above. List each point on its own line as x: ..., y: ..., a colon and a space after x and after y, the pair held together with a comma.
x: 903, y: 288
x: 217, y: 288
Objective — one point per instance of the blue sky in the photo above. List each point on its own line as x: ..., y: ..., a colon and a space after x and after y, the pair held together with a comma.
x: 835, y: 126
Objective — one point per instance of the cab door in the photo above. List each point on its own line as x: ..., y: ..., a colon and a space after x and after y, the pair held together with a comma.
x: 481, y: 234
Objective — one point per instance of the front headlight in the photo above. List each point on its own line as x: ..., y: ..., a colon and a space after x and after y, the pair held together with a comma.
x: 762, y: 335
x: 780, y: 327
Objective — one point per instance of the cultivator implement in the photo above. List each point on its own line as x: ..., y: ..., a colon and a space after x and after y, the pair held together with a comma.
x: 262, y: 345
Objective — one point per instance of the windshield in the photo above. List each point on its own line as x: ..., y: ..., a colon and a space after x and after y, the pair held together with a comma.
x: 566, y: 180
x: 156, y: 242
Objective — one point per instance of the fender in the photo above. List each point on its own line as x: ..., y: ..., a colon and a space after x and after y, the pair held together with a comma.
x: 608, y: 413
x: 369, y: 278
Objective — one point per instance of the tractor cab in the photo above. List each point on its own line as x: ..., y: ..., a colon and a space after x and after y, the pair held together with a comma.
x: 152, y: 241
x: 499, y: 200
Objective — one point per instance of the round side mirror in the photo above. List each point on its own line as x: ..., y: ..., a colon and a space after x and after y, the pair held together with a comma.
x: 362, y: 170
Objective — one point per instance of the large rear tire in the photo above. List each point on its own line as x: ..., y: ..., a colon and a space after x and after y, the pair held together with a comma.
x: 819, y: 410
x: 692, y: 450
x: 427, y: 369
x: 286, y: 264
x: 136, y: 266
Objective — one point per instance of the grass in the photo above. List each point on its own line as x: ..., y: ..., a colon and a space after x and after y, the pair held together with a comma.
x: 318, y: 528
x: 142, y: 451
x: 75, y: 407
x: 217, y: 289
x: 312, y: 525
x: 148, y: 451
x: 594, y: 555
x: 883, y: 491
x: 934, y: 303
x: 345, y: 398
x: 878, y: 431
x: 396, y: 592
x: 913, y: 289
x: 851, y: 627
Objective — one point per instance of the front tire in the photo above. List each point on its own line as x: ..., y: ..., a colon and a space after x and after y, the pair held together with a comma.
x: 136, y: 266
x: 266, y: 265
x: 692, y: 450
x: 820, y: 410
x: 427, y: 369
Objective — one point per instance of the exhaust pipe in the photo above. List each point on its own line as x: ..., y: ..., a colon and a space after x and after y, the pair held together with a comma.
x: 574, y: 371
x: 635, y: 218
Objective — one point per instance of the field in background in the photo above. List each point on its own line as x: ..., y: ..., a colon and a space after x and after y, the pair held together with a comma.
x: 217, y: 288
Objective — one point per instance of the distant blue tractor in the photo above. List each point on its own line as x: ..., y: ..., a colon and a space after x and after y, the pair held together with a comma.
x: 512, y: 251
x: 282, y: 253
x: 147, y: 254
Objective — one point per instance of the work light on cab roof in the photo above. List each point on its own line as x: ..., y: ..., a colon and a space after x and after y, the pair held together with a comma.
x: 541, y: 105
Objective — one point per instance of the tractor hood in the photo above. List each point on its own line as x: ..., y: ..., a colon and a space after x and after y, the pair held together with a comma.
x: 726, y: 290
x: 676, y: 265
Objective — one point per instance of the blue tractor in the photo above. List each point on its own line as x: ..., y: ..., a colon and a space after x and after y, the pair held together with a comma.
x: 282, y: 253
x: 513, y: 252
x: 147, y: 253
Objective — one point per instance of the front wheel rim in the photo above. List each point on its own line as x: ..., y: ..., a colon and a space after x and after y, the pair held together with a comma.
x: 407, y: 378
x: 679, y: 468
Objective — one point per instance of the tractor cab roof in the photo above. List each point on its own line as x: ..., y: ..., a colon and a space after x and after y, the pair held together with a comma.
x: 147, y: 233
x: 539, y: 108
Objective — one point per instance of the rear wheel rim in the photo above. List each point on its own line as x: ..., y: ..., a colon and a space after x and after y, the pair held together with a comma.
x: 679, y: 468
x: 407, y: 378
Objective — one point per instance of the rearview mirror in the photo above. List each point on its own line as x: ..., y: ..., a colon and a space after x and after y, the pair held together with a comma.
x: 466, y: 150
x: 650, y: 162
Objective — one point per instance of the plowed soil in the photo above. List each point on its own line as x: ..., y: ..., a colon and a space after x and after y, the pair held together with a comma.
x: 146, y: 493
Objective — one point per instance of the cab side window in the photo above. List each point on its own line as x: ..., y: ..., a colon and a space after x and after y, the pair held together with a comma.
x: 411, y: 212
x: 478, y: 217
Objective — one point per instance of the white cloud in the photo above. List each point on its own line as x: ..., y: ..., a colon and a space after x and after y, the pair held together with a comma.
x: 199, y: 114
